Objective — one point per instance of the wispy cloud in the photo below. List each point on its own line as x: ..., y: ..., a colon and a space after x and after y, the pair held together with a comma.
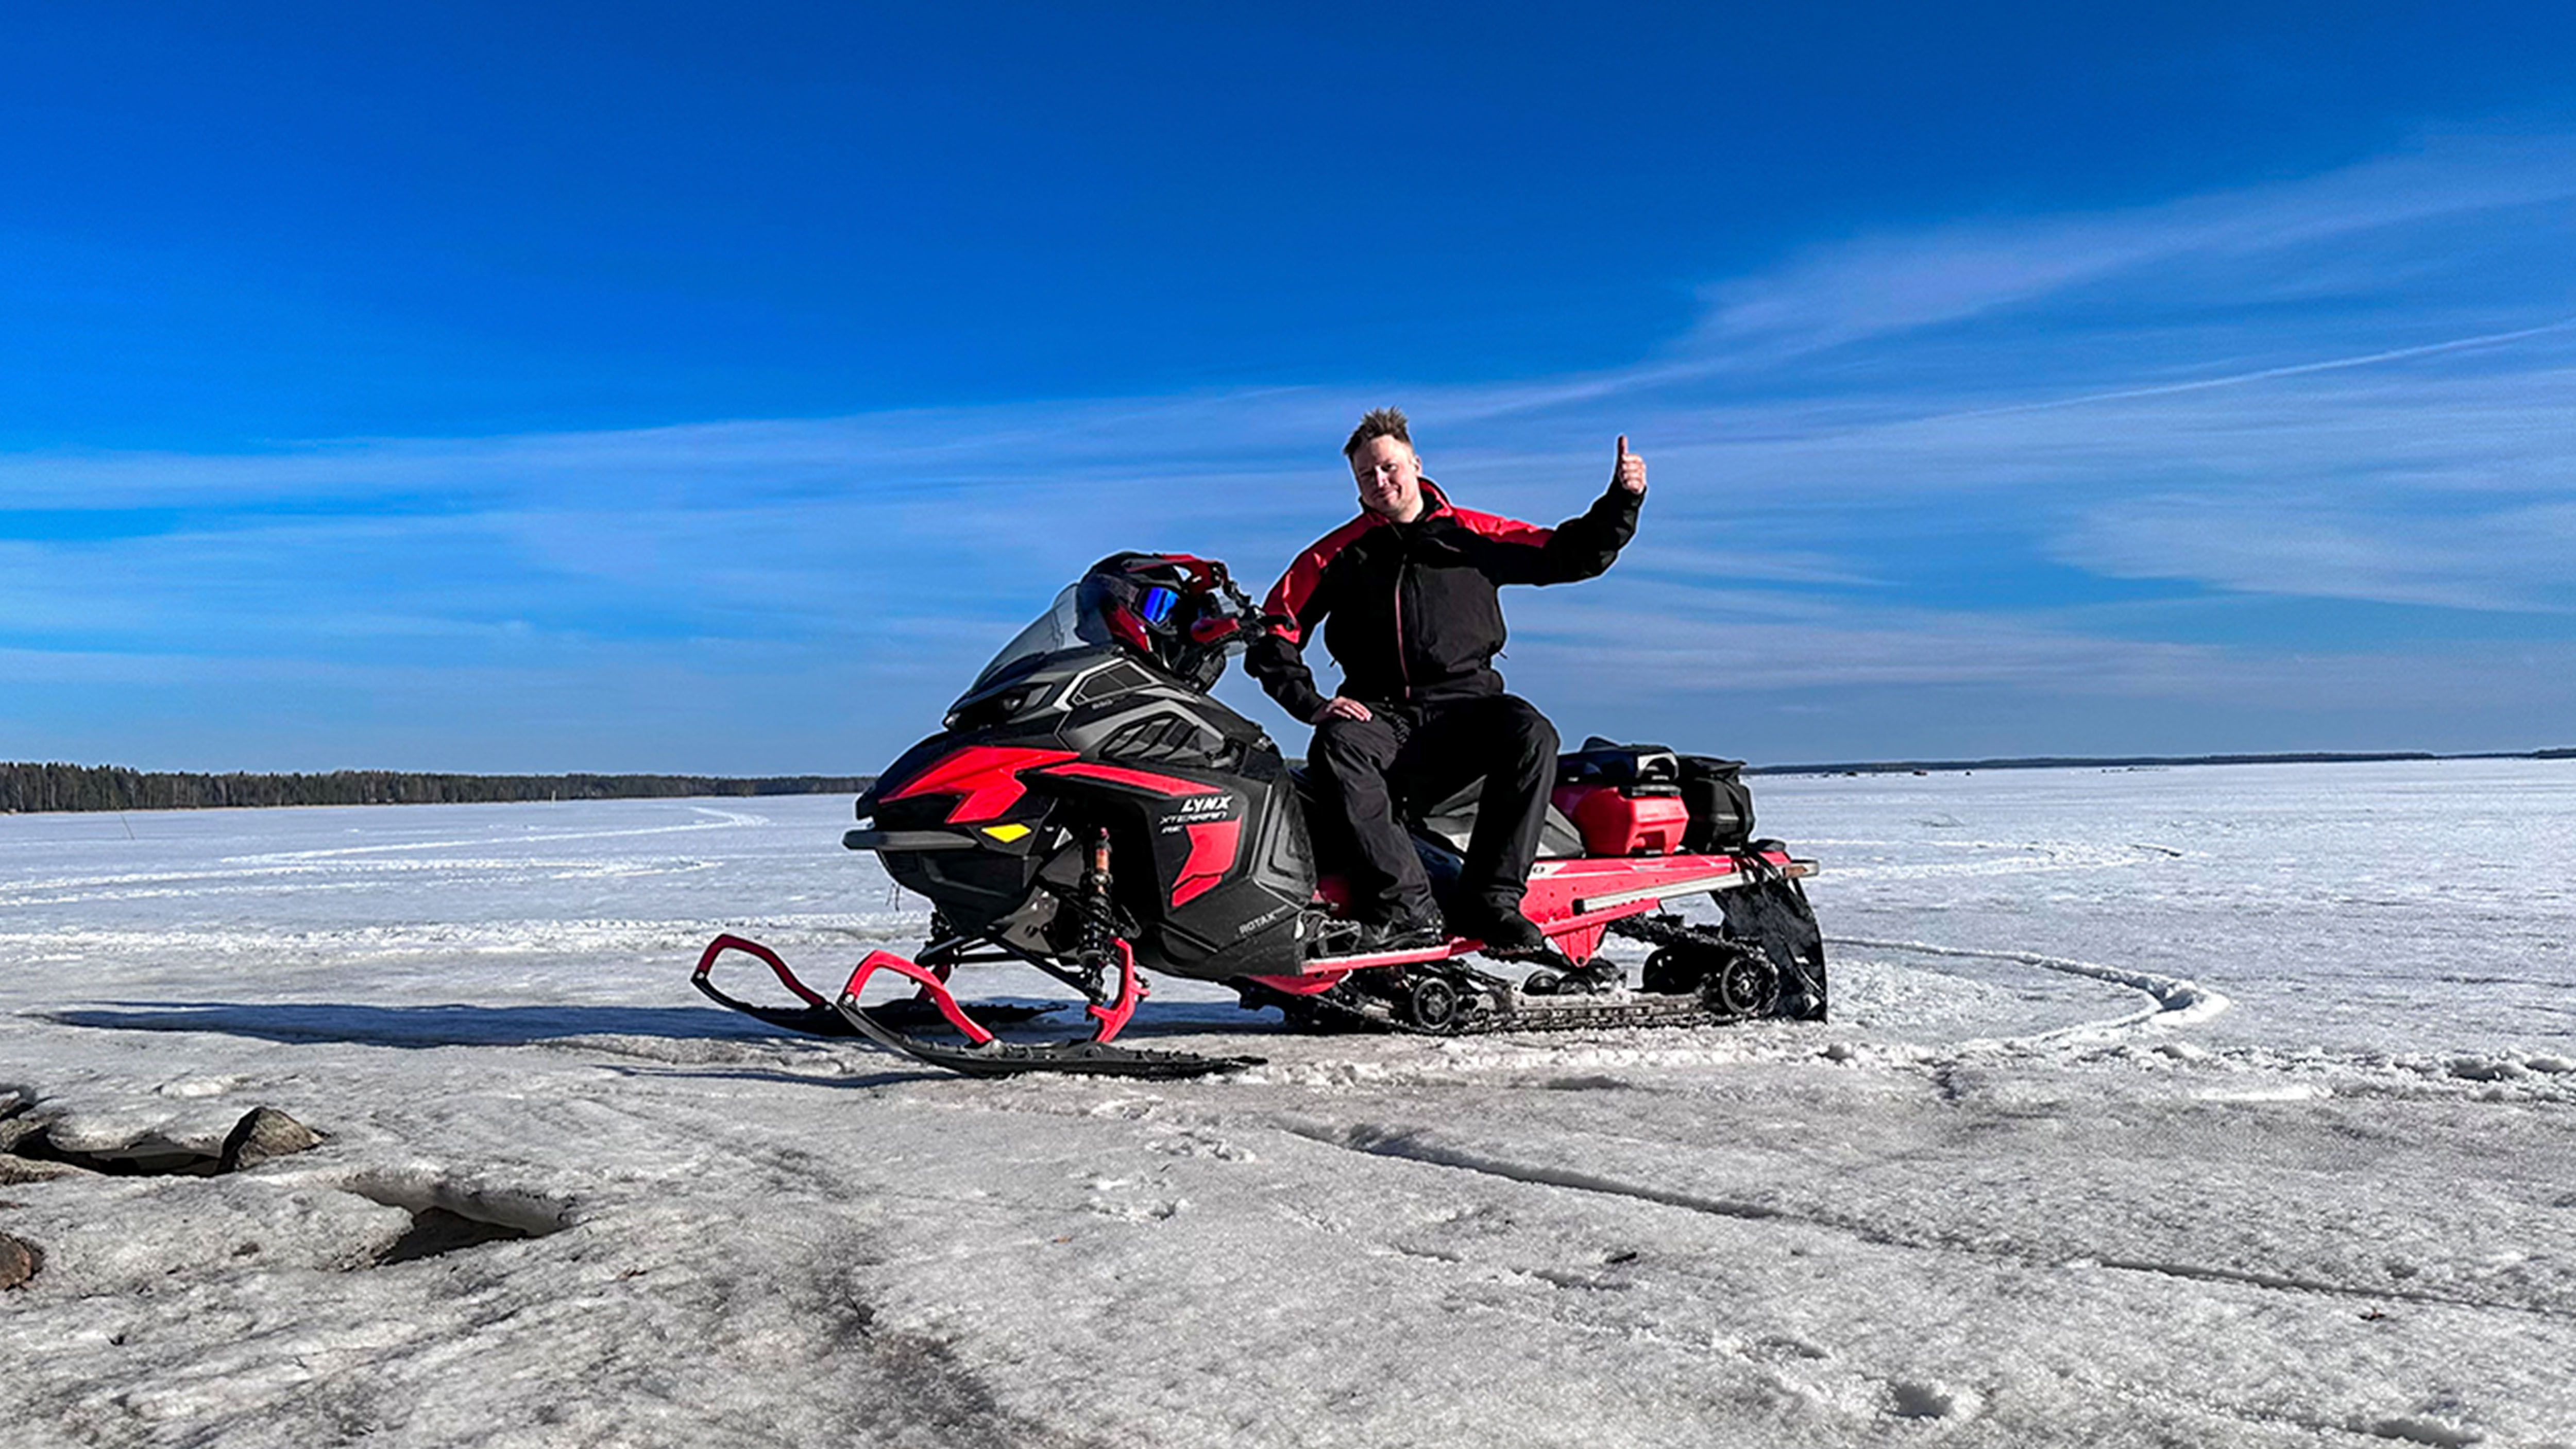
x: 1874, y: 286
x: 2511, y: 560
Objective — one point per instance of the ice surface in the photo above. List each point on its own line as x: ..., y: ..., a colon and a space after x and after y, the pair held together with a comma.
x: 2223, y: 1105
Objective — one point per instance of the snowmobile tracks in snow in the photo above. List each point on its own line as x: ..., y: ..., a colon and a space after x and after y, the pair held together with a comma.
x: 2172, y: 1001
x: 1433, y: 1148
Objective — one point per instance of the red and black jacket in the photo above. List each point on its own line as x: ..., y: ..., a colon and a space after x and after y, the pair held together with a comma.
x: 1409, y: 609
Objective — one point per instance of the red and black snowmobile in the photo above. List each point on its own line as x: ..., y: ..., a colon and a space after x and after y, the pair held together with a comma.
x: 1089, y: 810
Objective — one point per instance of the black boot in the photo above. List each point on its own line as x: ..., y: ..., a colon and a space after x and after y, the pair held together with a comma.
x: 1407, y: 931
x: 1508, y: 935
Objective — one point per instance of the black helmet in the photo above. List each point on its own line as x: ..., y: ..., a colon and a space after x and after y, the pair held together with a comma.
x: 1170, y: 608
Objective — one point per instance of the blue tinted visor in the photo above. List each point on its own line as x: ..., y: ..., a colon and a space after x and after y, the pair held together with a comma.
x: 1157, y: 604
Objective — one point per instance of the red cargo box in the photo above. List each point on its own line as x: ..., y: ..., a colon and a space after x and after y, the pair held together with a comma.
x: 1613, y: 823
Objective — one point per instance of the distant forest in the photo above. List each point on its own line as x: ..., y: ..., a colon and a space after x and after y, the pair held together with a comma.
x: 25, y: 788
x: 2124, y: 762
x: 109, y: 787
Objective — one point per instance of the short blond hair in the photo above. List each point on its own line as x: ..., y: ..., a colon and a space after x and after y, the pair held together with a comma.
x: 1379, y: 423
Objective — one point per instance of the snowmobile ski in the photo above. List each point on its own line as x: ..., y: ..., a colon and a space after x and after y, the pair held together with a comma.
x: 985, y: 1055
x: 818, y: 1017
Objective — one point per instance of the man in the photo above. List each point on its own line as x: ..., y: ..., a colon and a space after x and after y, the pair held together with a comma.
x: 1405, y: 593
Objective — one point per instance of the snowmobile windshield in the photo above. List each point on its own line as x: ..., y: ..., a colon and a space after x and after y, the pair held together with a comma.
x: 1056, y: 630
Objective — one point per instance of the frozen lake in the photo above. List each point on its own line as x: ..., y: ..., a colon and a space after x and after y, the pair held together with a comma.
x: 2223, y: 1104
x: 2388, y: 907
x: 2346, y: 908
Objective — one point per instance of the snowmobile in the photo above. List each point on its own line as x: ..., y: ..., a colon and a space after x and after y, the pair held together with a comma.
x: 1088, y: 809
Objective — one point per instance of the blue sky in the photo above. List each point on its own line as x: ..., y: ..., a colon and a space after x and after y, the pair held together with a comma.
x: 709, y: 388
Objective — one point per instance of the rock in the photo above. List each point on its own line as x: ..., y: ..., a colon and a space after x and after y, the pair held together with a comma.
x: 23, y: 1154
x: 18, y: 1261
x: 14, y: 1130
x: 264, y: 1133
x: 14, y: 1170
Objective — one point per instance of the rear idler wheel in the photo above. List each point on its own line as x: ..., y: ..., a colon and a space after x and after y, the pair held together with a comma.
x: 1747, y: 985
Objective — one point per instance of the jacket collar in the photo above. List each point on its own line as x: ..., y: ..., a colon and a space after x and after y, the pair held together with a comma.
x: 1434, y: 503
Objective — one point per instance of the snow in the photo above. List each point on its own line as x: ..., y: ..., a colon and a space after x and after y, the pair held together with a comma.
x: 2220, y: 1105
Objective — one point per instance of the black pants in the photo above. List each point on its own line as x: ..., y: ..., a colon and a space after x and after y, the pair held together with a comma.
x: 1370, y: 769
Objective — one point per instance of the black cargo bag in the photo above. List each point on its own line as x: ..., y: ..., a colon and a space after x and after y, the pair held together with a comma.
x: 1720, y: 804
x: 1635, y: 769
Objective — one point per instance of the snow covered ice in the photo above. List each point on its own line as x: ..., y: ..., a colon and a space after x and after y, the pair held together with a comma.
x: 2190, y: 1106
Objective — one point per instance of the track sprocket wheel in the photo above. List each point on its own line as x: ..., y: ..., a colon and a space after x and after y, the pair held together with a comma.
x: 1433, y: 1003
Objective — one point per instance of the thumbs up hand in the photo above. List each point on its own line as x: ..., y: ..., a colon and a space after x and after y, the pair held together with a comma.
x: 1631, y: 471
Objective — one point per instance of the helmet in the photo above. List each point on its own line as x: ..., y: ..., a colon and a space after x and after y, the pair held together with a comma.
x: 1169, y: 608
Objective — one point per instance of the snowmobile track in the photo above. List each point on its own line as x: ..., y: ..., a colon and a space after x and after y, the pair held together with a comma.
x: 1414, y: 1145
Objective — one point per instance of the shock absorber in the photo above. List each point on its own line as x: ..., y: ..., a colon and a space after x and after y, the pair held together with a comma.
x: 1099, y: 913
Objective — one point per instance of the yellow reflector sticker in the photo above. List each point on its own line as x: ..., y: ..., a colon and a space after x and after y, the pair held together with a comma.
x: 1006, y: 833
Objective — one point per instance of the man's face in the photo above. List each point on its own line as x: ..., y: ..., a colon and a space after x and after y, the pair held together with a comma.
x: 1390, y: 478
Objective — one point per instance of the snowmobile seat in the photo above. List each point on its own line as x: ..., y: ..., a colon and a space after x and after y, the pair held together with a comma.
x: 1453, y: 820
x: 1444, y: 825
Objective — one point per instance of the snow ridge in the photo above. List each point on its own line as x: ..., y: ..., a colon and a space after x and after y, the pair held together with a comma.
x: 2175, y: 1001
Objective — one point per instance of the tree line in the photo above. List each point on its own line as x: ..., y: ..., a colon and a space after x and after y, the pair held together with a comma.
x: 32, y: 787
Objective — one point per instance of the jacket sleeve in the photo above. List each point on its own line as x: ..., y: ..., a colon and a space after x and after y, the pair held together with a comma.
x: 1296, y: 605
x: 1581, y: 547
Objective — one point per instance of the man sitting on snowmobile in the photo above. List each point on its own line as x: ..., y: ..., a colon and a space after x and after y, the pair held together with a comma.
x: 1409, y: 588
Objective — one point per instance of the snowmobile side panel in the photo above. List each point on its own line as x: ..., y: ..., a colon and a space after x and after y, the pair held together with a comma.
x: 1229, y: 873
x: 984, y: 778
